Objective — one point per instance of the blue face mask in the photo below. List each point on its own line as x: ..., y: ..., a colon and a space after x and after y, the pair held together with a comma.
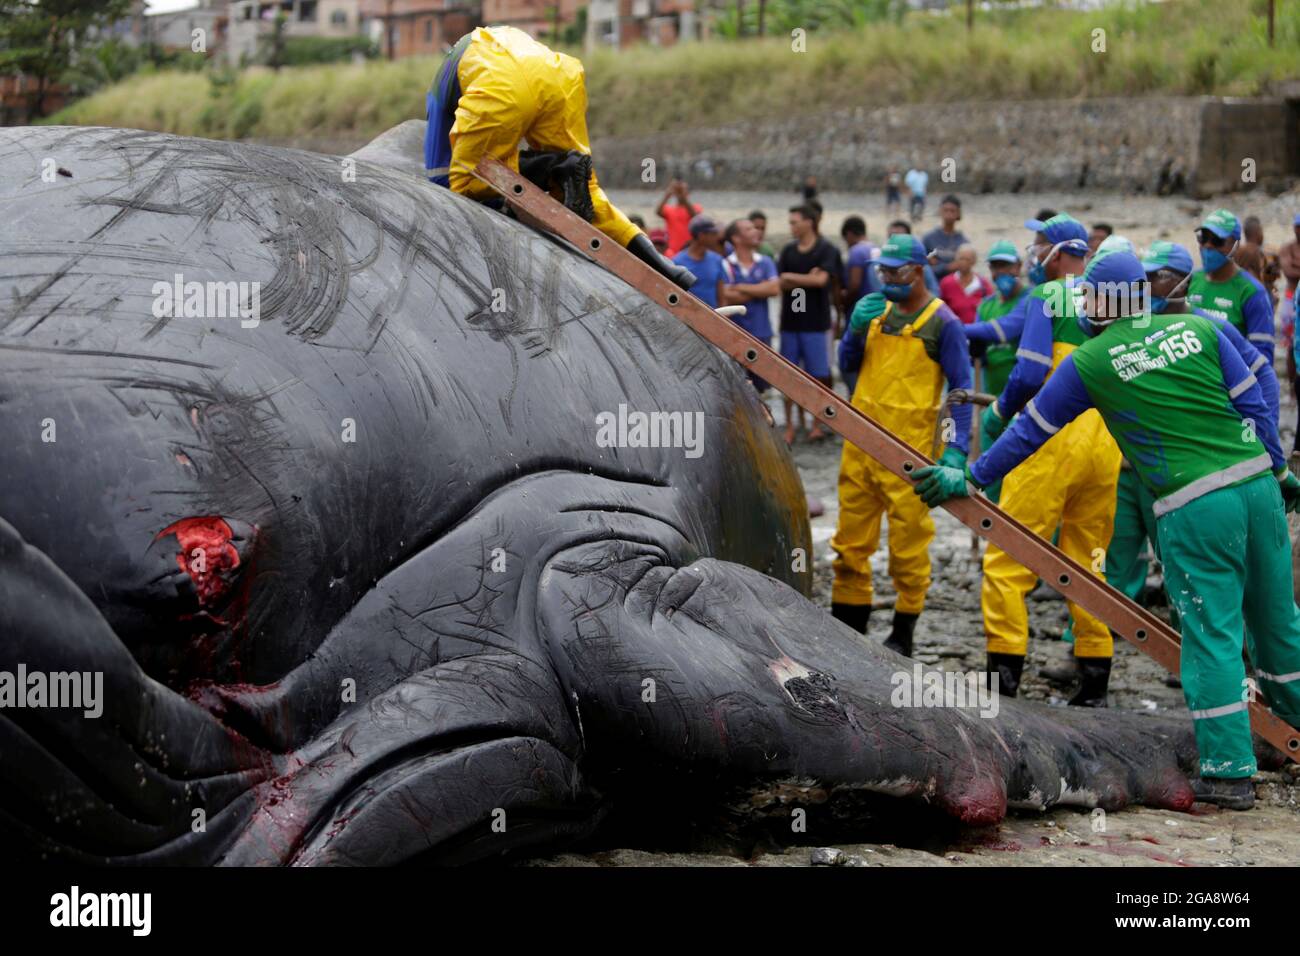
x: 896, y: 291
x: 1158, y: 304
x: 1006, y: 284
x: 1038, y: 268
x: 1212, y: 259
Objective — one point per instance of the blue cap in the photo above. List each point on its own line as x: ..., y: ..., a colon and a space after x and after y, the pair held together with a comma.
x: 1115, y: 268
x: 1064, y: 230
x: 1167, y: 255
x: 1296, y: 221
x: 700, y: 224
x: 901, y: 250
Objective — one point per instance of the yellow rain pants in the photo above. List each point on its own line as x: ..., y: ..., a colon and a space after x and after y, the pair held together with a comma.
x: 1069, y: 482
x: 514, y: 88
x: 900, y: 387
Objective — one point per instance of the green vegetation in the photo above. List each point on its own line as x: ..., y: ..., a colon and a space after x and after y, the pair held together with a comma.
x: 40, y: 40
x: 1179, y: 47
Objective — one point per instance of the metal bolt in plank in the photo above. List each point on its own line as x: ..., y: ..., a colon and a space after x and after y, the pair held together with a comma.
x: 1135, y: 624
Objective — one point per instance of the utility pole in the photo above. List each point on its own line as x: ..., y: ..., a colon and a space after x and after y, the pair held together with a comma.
x: 740, y: 18
x: 388, y: 30
x: 970, y: 15
x: 762, y: 17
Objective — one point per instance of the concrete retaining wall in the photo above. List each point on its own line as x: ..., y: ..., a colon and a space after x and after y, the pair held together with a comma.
x: 1146, y: 145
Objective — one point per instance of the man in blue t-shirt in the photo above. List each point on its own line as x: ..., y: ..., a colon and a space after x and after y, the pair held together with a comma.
x: 751, y: 280
x: 857, y: 271
x: 703, y: 262
x: 916, y: 181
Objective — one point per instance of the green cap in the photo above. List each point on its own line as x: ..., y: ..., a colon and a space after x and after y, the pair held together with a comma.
x: 1004, y: 250
x: 1162, y: 254
x: 1223, y: 224
x: 1114, y: 244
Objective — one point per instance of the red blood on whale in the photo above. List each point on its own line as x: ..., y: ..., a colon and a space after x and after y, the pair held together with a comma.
x: 205, y: 552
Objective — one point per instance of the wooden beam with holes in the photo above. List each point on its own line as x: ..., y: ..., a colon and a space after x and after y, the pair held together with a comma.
x: 1135, y: 624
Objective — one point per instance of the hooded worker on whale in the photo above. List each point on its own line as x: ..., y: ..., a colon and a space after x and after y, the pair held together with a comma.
x: 497, y: 87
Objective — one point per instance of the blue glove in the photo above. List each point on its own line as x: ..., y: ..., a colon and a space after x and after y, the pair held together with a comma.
x: 1290, y: 488
x: 870, y: 306
x: 953, y: 457
x: 937, y: 483
x: 992, y: 424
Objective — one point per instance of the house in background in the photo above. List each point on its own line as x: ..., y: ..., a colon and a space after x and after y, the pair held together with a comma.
x: 175, y: 30
x: 532, y: 16
x: 418, y: 27
x: 621, y: 23
x: 248, y: 20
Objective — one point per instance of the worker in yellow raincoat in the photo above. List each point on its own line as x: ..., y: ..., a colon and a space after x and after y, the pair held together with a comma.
x: 499, y: 87
x: 903, y: 344
x: 1069, y: 483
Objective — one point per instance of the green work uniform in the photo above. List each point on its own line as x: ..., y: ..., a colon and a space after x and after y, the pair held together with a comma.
x: 1220, y: 521
x: 1225, y: 300
x: 999, y: 359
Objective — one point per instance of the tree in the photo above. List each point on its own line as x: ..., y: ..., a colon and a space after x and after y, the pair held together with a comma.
x: 39, y: 39
x: 275, y: 43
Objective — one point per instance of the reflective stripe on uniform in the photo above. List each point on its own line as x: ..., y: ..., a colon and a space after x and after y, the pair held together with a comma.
x: 1035, y: 357
x: 1280, y: 678
x: 1223, y: 711
x: 1262, y: 337
x: 1212, y: 482
x: 1243, y: 386
x: 1258, y: 364
x: 1039, y: 420
x: 1002, y: 336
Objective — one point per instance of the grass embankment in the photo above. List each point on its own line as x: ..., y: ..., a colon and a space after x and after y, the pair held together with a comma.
x: 1178, y: 47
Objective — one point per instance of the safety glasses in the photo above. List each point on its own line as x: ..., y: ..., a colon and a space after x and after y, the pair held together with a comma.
x: 903, y: 273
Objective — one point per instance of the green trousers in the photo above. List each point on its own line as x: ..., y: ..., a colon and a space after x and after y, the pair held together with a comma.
x: 1227, y: 558
x: 1135, y: 525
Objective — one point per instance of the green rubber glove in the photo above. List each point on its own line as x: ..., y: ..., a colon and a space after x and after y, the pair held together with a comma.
x: 1290, y: 487
x: 937, y: 483
x: 869, y: 307
x: 953, y: 457
x: 992, y: 425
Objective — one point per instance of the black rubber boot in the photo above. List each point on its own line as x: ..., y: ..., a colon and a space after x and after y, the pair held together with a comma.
x: 855, y: 616
x: 1008, y: 667
x: 645, y: 250
x: 568, y: 172
x: 572, y: 175
x: 1231, y: 794
x: 1094, y: 679
x: 900, y: 637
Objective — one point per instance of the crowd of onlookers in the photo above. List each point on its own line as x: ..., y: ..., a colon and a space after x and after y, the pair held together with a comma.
x: 819, y: 282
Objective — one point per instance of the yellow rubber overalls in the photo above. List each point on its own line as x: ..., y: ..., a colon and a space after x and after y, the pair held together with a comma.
x: 901, y: 388
x: 1069, y: 482
x: 514, y: 88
